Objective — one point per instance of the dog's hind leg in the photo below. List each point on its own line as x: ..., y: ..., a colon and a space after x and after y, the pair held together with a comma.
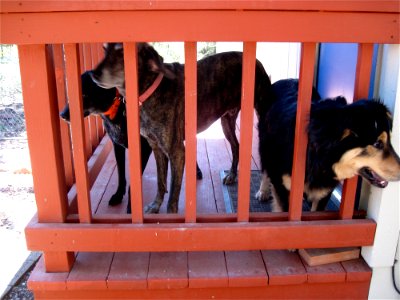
x: 162, y: 170
x: 228, y: 122
x: 177, y: 165
x: 119, y: 153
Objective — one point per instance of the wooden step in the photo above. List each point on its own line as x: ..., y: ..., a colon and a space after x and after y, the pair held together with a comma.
x: 197, y: 275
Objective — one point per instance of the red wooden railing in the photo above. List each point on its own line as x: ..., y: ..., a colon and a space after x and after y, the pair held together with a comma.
x: 80, y: 26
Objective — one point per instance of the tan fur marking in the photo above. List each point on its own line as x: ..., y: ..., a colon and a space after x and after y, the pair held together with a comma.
x: 275, y: 205
x: 287, y: 181
x: 315, y: 195
x: 353, y: 160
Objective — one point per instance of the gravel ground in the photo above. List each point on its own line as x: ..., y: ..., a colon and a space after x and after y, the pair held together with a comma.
x: 17, y: 207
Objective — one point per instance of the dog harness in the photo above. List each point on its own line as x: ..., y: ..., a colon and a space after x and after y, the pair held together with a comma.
x: 113, y: 110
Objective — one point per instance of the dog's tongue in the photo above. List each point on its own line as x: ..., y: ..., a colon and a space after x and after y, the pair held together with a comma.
x: 373, y: 177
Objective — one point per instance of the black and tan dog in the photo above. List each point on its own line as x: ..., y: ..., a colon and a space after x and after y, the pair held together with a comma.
x: 344, y: 140
x: 111, y: 107
x: 162, y: 115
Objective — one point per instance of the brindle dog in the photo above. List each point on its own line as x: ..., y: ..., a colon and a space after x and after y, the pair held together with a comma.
x: 111, y: 107
x: 162, y: 115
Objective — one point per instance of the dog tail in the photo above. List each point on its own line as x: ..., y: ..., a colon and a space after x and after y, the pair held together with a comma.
x: 263, y: 94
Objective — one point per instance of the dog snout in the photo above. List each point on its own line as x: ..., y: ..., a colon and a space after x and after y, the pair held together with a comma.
x: 65, y: 114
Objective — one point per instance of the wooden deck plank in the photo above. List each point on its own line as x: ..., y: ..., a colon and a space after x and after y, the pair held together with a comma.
x: 168, y: 270
x: 357, y: 270
x: 129, y: 271
x: 90, y: 271
x: 206, y: 202
x: 207, y: 269
x: 246, y: 268
x: 333, y: 272
x: 102, y: 183
x: 42, y: 280
x: 284, y: 267
x: 219, y: 160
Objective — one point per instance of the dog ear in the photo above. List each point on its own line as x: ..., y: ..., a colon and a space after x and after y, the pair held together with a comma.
x: 155, y: 61
x: 160, y: 68
x: 348, y: 132
x: 113, y: 46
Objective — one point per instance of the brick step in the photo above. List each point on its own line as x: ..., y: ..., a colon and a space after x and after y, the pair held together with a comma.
x: 201, y: 275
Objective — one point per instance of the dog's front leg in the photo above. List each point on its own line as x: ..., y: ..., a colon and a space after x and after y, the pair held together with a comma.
x: 177, y: 165
x: 162, y: 170
x: 119, y: 153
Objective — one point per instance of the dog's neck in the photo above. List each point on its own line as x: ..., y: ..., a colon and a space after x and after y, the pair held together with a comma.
x: 151, y: 89
x: 148, y: 91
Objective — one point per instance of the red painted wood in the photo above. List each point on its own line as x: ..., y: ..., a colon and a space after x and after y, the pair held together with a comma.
x: 199, y: 237
x: 357, y: 270
x: 100, y: 26
x: 132, y: 114
x: 39, y: 279
x: 361, y: 90
x: 40, y: 104
x: 129, y: 271
x: 207, y: 269
x: 220, y: 161
x: 58, y: 57
x: 96, y: 161
x: 246, y: 268
x: 90, y: 271
x: 190, y: 130
x: 78, y: 131
x: 284, y: 267
x: 206, y: 202
x: 300, y: 142
x: 351, y: 291
x: 325, y: 273
x: 350, y: 5
x: 88, y: 145
x: 246, y: 130
x: 168, y: 270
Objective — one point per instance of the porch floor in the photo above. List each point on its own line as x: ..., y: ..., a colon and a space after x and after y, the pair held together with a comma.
x: 213, y: 157
x: 200, y: 275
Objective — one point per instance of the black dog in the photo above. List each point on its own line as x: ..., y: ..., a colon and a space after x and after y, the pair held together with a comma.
x: 162, y: 115
x: 111, y: 107
x: 344, y: 140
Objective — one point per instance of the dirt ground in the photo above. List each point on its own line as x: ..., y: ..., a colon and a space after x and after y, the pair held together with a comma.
x: 17, y: 206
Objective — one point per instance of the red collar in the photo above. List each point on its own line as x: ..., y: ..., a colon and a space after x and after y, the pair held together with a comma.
x: 143, y: 97
x: 113, y: 110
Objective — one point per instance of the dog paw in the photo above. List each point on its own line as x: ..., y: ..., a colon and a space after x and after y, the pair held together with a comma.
x: 229, y: 179
x: 152, y: 209
x: 172, y: 209
x: 115, y: 199
x: 263, y: 196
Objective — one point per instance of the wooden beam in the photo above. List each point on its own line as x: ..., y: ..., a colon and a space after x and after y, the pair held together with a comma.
x: 199, y: 237
x: 100, y: 26
x: 190, y: 129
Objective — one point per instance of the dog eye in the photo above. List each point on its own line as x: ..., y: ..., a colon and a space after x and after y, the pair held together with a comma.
x: 378, y: 145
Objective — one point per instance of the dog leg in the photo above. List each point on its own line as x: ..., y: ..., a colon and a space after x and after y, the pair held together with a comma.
x: 199, y: 174
x: 162, y: 170
x: 228, y: 123
x: 177, y: 166
x: 264, y: 193
x: 119, y: 153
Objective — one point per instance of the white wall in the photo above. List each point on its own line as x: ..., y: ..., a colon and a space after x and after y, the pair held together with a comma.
x: 383, y: 204
x: 280, y: 60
